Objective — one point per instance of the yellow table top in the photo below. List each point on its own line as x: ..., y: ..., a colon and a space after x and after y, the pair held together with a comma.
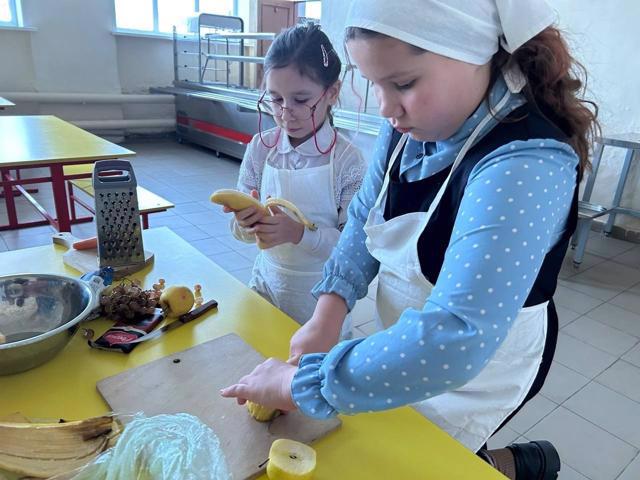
x: 27, y: 140
x: 4, y: 103
x: 397, y: 444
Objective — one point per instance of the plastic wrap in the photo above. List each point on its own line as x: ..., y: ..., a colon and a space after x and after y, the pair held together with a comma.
x: 163, y: 447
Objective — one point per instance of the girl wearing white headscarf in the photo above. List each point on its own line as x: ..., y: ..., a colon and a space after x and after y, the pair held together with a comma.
x: 464, y: 216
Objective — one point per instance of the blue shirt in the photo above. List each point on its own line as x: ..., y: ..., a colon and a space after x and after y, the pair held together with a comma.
x: 514, y: 209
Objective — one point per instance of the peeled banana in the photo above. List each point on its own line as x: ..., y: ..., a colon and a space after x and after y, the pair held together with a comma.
x: 237, y: 200
x: 261, y: 413
x: 42, y: 450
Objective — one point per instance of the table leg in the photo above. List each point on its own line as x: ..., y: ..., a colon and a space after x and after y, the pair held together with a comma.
x: 619, y: 189
x: 72, y: 202
x: 16, y: 192
x: 588, y: 188
x: 63, y: 224
x: 7, y: 188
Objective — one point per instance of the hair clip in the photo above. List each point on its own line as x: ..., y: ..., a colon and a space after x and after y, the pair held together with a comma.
x: 325, y: 56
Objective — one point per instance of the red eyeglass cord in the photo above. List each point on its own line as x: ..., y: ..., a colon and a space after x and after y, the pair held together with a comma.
x: 315, y: 138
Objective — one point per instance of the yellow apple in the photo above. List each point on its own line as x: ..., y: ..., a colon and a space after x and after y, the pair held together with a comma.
x: 291, y: 460
x: 176, y: 300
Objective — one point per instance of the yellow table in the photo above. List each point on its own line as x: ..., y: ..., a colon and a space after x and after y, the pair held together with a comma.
x: 46, y: 141
x: 397, y: 444
x: 4, y: 103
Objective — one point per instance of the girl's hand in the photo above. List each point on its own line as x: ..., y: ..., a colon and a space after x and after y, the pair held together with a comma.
x: 315, y: 336
x: 322, y: 332
x: 247, y: 217
x: 277, y: 229
x: 269, y: 384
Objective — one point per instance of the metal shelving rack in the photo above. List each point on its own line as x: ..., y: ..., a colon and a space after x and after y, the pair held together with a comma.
x: 209, y: 33
x: 216, y: 106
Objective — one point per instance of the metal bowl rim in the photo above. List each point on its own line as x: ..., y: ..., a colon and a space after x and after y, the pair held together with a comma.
x: 82, y: 315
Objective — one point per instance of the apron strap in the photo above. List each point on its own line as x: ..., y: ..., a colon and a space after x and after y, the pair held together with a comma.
x: 392, y: 160
x: 465, y: 148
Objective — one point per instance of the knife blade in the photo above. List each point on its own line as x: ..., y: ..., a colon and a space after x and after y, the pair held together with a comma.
x: 181, y: 320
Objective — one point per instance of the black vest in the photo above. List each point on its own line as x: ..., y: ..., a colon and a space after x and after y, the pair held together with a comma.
x: 406, y: 197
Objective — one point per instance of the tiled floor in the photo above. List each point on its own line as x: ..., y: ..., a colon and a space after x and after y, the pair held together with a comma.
x: 590, y: 404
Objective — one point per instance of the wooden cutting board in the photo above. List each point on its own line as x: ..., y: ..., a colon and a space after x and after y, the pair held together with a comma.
x: 190, y: 381
x: 87, y: 260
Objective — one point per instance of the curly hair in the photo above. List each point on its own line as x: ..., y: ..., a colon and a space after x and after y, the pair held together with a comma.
x: 555, y: 85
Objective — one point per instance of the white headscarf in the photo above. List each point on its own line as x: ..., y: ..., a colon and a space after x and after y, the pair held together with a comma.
x: 466, y: 30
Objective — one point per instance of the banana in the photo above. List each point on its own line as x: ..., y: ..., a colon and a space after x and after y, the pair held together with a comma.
x: 261, y: 413
x: 239, y: 201
x: 235, y: 199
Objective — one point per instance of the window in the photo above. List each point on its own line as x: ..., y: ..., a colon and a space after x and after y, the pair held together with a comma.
x: 159, y: 16
x: 313, y: 10
x: 309, y: 11
x: 10, y: 13
x: 218, y: 7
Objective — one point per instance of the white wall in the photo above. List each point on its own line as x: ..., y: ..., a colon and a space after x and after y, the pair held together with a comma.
x: 605, y: 38
x: 143, y: 63
x: 73, y: 50
x: 17, y: 71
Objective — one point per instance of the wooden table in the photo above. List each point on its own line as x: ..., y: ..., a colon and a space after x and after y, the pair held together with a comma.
x: 46, y: 141
x: 397, y: 444
x: 4, y: 103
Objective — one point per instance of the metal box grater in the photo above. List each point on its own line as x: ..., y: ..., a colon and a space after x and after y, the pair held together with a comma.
x: 117, y: 215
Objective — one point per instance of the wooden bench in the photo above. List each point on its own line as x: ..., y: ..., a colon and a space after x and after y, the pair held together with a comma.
x: 148, y: 202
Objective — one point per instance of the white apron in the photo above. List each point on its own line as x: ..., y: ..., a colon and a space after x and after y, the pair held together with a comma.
x: 285, y: 274
x: 471, y: 413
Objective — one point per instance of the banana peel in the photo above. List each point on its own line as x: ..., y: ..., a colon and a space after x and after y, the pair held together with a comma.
x: 42, y: 450
x: 261, y: 413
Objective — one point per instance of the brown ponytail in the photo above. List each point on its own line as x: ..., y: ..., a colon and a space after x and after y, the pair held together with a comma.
x: 554, y: 87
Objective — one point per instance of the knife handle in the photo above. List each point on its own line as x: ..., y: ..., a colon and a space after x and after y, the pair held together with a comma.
x: 196, y: 312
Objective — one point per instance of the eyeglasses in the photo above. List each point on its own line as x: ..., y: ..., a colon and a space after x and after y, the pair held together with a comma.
x: 276, y: 109
x: 302, y: 112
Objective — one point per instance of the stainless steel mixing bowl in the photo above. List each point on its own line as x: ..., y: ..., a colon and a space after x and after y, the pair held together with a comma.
x: 39, y: 313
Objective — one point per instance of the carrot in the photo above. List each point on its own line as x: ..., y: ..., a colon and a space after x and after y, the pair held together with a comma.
x: 86, y: 244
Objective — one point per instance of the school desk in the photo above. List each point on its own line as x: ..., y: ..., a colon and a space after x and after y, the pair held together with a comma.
x: 45, y: 141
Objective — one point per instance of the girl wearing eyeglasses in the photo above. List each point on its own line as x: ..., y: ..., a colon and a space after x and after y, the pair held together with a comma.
x: 304, y: 160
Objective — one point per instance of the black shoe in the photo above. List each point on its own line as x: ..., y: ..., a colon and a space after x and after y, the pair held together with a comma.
x: 537, y: 460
